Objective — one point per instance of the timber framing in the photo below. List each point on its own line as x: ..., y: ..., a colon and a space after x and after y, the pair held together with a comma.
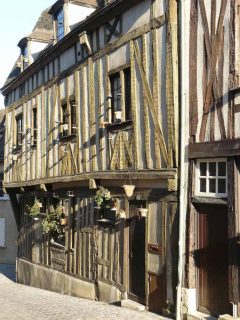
x: 156, y: 23
x: 98, y: 18
x: 107, y: 119
x: 108, y: 175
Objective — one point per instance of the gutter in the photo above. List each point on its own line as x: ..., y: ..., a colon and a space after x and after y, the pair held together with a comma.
x: 183, y: 48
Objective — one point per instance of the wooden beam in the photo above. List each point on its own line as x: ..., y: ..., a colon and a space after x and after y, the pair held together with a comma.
x: 233, y: 249
x: 214, y: 57
x: 134, y: 102
x: 151, y: 105
x: 163, y: 174
x: 223, y: 148
x: 145, y: 110
x: 193, y: 97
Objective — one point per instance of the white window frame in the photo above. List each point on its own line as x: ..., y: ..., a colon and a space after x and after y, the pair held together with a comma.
x: 2, y: 232
x: 197, y: 179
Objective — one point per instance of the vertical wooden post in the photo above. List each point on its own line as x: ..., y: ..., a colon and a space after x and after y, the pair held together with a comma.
x: 134, y: 103
x: 232, y: 236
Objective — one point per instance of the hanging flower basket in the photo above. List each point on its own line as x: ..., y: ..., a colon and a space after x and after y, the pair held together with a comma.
x: 129, y: 189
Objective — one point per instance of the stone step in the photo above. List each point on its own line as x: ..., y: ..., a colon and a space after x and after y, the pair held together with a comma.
x: 199, y: 316
x: 129, y: 304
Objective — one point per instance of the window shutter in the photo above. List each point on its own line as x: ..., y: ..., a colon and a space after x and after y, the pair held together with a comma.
x: 2, y: 232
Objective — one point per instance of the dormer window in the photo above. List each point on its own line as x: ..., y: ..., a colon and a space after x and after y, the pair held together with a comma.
x: 25, y: 60
x: 59, y: 24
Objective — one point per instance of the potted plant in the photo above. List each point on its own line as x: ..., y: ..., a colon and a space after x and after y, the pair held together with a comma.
x: 60, y: 211
x: 34, y: 211
x: 103, y: 198
x: 106, y: 204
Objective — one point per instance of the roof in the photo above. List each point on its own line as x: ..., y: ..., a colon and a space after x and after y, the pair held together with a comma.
x: 44, y: 21
x: 95, y: 19
x: 16, y: 70
x: 59, y: 3
x: 42, y: 31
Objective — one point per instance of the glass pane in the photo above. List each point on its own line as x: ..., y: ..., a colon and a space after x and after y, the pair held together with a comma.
x: 212, y: 169
x: 221, y: 185
x: 222, y: 169
x: 203, y: 168
x: 212, y: 185
x: 202, y: 185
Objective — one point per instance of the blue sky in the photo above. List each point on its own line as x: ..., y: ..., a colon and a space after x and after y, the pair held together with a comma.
x: 17, y: 19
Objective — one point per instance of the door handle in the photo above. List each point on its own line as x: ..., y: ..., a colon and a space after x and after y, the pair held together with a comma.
x: 131, y: 255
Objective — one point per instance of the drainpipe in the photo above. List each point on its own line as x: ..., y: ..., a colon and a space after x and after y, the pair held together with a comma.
x: 184, y: 133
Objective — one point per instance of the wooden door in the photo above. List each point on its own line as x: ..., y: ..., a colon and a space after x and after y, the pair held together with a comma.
x: 136, y: 255
x: 212, y: 260
x: 156, y: 262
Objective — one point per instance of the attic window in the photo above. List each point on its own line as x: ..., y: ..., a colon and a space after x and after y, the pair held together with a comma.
x: 60, y: 24
x: 25, y: 57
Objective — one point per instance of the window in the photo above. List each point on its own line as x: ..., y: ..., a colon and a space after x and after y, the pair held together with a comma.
x: 2, y: 232
x: 121, y: 105
x: 19, y: 137
x: 212, y: 178
x: 34, y: 127
x: 69, y: 119
x: 73, y: 117
x: 21, y: 90
x: 25, y: 57
x: 60, y: 24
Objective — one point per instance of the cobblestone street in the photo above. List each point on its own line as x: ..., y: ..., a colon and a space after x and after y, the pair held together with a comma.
x: 22, y: 302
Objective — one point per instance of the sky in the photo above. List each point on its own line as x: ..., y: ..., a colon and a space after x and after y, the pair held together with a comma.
x: 17, y: 19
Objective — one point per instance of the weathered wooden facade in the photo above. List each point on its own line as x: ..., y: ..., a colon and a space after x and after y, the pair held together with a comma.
x: 99, y: 107
x: 211, y: 260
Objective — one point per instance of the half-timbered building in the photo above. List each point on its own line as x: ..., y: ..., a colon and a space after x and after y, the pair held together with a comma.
x: 91, y: 111
x: 210, y: 83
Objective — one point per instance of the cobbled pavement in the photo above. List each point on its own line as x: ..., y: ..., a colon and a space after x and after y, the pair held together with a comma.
x: 22, y: 302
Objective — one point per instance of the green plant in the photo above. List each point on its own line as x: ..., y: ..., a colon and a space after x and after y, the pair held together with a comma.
x: 50, y: 226
x: 35, y: 209
x: 103, y: 198
x: 52, y: 222
x: 59, y: 210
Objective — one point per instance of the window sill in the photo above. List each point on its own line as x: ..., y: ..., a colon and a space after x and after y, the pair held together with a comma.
x: 209, y: 200
x: 68, y: 138
x: 126, y: 125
